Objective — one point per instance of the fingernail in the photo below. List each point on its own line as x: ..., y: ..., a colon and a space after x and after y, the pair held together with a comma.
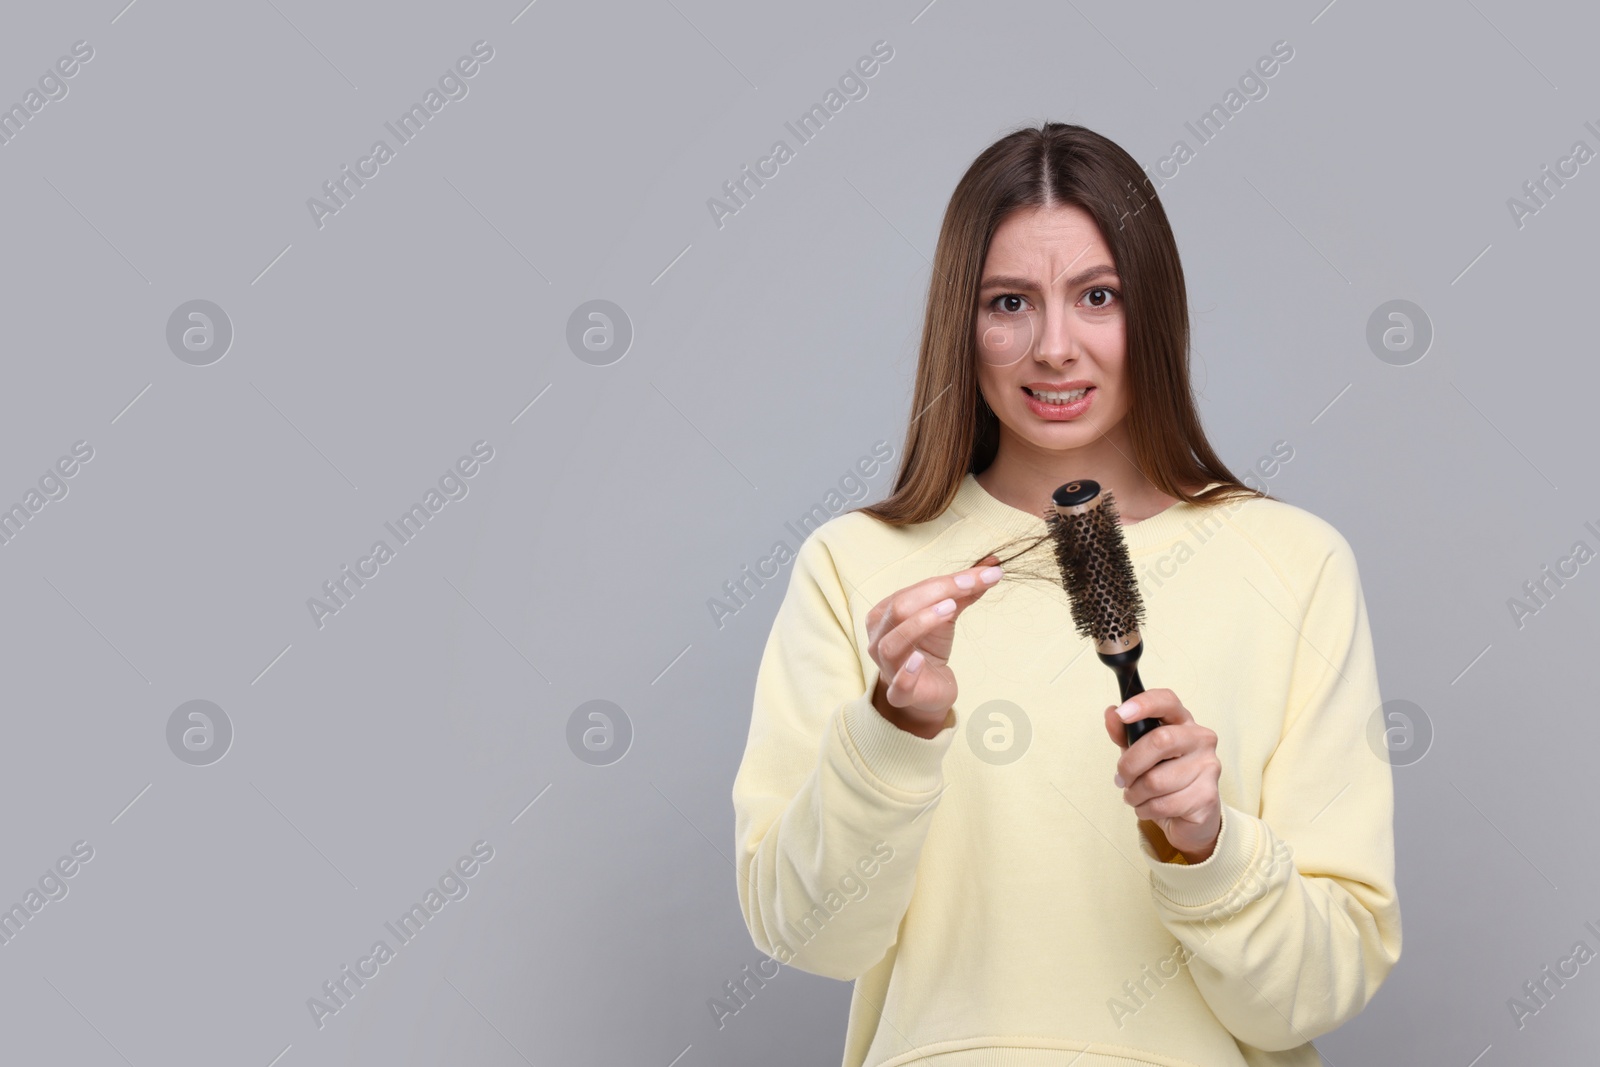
x: 1117, y: 778
x: 944, y: 607
x: 965, y: 581
x: 914, y: 661
x: 1128, y: 712
x: 991, y: 575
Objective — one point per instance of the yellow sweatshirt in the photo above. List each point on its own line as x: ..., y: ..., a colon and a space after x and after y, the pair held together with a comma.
x: 988, y: 890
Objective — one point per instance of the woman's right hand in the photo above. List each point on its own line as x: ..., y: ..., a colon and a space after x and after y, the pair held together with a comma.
x: 910, y: 634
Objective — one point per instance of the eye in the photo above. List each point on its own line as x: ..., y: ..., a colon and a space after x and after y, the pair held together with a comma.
x: 1103, y: 289
x: 996, y: 305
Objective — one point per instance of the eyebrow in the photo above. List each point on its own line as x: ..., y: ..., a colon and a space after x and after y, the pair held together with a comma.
x: 1009, y: 281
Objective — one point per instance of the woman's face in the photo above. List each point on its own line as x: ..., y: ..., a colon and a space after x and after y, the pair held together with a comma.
x: 1050, y: 322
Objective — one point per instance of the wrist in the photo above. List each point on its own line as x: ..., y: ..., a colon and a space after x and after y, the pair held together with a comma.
x: 898, y: 718
x: 1167, y: 852
x: 1158, y: 841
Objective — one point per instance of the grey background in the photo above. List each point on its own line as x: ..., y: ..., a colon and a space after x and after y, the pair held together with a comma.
x: 769, y: 355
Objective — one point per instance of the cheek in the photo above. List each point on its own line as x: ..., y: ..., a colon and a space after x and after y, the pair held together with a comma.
x: 1116, y: 375
x: 990, y: 385
x: 1110, y: 342
x: 1111, y: 354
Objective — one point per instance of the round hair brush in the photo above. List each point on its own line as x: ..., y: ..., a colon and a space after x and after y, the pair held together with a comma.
x: 1100, y: 582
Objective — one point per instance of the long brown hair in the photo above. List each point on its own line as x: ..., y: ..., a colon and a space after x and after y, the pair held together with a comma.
x: 953, y: 431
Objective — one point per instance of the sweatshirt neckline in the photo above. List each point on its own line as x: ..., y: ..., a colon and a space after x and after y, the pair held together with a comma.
x: 1163, y: 528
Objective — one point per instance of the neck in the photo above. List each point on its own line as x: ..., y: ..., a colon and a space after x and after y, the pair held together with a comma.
x: 1023, y: 475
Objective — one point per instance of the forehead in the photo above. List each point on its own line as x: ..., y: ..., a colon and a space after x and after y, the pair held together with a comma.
x: 1046, y: 241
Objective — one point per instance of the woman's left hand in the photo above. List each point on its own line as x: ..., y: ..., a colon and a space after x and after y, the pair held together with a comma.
x: 1171, y: 773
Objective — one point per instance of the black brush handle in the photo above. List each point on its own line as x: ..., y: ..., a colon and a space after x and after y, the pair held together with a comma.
x: 1126, y: 666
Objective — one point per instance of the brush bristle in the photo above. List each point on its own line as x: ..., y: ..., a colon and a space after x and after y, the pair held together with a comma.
x: 1097, y: 572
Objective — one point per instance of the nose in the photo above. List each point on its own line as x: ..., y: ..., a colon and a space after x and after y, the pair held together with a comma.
x: 1057, y: 342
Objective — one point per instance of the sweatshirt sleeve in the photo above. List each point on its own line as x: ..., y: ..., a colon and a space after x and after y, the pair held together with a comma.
x: 1292, y: 923
x: 832, y: 802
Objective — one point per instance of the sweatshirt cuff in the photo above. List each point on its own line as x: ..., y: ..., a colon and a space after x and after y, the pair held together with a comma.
x: 893, y: 759
x: 1196, y: 885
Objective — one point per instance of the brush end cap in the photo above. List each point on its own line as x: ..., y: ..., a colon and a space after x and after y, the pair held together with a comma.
x: 1080, y: 491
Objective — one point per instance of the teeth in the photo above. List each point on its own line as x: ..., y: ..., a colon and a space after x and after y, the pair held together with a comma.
x: 1059, y: 398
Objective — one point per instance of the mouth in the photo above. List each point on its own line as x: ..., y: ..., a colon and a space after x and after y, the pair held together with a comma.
x: 1059, y: 405
x: 1058, y: 396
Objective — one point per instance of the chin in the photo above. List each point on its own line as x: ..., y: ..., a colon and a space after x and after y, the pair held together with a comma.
x: 1058, y: 436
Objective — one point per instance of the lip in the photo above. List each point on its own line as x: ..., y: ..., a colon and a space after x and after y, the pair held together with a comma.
x: 1061, y: 412
x: 1059, y: 387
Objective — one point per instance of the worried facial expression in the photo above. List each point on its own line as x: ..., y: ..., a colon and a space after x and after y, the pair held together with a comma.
x: 1050, y: 329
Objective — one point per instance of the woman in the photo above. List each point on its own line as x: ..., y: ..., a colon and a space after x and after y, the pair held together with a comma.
x: 1007, y: 882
